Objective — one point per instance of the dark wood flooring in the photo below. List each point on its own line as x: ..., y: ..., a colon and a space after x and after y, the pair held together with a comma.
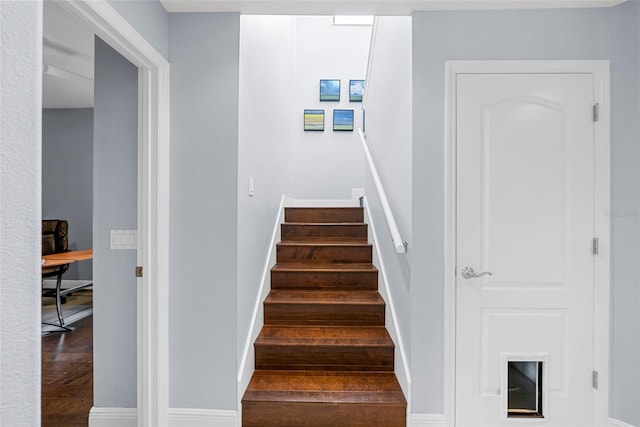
x: 67, y: 376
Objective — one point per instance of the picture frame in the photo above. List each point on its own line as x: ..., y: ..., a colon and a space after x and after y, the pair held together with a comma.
x: 356, y: 90
x: 330, y: 90
x: 313, y: 120
x: 343, y: 120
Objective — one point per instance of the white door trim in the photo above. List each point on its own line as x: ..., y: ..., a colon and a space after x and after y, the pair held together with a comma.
x: 153, y: 202
x: 600, y: 71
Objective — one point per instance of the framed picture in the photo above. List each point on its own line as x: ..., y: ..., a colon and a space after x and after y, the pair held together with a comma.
x: 343, y: 120
x: 356, y: 90
x: 330, y: 90
x: 314, y: 120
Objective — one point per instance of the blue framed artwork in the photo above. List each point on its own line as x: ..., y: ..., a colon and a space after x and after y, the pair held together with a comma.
x: 314, y: 120
x: 356, y: 90
x: 330, y: 90
x: 343, y: 120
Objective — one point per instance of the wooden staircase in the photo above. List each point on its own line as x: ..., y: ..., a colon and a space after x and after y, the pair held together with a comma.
x: 324, y: 357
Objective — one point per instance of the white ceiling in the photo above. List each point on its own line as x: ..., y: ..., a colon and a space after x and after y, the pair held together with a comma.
x: 367, y: 7
x: 67, y: 57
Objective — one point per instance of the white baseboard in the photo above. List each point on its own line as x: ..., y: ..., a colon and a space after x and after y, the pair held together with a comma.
x: 177, y: 417
x: 431, y: 420
x: 113, y: 417
x: 617, y: 423
x: 247, y: 362
x: 186, y: 417
x: 391, y: 319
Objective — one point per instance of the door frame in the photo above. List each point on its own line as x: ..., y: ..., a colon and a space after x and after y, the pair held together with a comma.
x: 600, y: 71
x: 153, y: 202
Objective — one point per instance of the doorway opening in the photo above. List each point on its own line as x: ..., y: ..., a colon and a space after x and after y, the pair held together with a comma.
x: 150, y: 184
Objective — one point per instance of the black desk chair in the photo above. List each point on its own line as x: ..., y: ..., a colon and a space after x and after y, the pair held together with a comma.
x: 55, y: 240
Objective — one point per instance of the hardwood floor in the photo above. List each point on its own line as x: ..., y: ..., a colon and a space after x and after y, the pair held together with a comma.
x: 67, y: 376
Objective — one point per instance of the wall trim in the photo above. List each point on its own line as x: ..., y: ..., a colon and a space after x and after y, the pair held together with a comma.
x: 187, y: 417
x: 112, y: 417
x: 433, y: 420
x: 391, y: 321
x: 246, y: 367
x: 153, y: 201
x: 617, y: 423
x: 178, y: 417
x: 600, y: 71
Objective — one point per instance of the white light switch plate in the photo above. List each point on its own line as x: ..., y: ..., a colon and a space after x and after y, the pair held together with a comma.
x: 124, y: 239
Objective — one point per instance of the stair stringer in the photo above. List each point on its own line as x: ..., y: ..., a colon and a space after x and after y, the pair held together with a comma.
x: 247, y: 362
x: 401, y: 367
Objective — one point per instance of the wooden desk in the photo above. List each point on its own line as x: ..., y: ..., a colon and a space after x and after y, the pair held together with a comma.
x: 56, y: 260
x: 82, y: 255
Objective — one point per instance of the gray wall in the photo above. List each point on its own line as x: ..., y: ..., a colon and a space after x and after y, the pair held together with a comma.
x: 554, y: 34
x: 67, y: 177
x: 20, y: 201
x: 204, y: 55
x: 149, y: 18
x: 115, y: 182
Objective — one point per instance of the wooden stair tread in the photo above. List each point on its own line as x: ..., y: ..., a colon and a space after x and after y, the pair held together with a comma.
x: 300, y: 231
x: 324, y: 387
x: 343, y: 336
x: 327, y: 224
x: 315, y: 215
x: 324, y: 297
x: 330, y: 243
x: 296, y: 266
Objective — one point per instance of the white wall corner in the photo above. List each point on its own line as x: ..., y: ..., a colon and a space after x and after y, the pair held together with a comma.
x: 113, y: 417
x: 617, y: 423
x: 432, y: 420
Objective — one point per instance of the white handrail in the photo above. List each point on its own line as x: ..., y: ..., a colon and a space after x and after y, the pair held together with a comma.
x: 399, y: 244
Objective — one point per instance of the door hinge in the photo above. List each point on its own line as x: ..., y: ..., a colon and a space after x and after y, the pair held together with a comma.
x: 594, y: 379
x: 596, y: 112
x: 138, y: 271
x: 596, y: 246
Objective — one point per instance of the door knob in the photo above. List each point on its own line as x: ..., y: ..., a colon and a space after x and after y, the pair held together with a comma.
x: 469, y: 273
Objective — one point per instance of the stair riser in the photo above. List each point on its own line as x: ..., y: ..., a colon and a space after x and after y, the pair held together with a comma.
x: 323, y: 357
x: 343, y: 254
x: 329, y: 215
x: 365, y: 281
x: 324, y: 314
x: 308, y: 414
x: 316, y: 232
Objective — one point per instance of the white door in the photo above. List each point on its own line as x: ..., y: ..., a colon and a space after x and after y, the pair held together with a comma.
x: 525, y: 213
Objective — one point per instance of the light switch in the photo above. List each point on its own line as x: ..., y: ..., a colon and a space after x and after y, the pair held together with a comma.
x: 251, y: 187
x: 124, y: 239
